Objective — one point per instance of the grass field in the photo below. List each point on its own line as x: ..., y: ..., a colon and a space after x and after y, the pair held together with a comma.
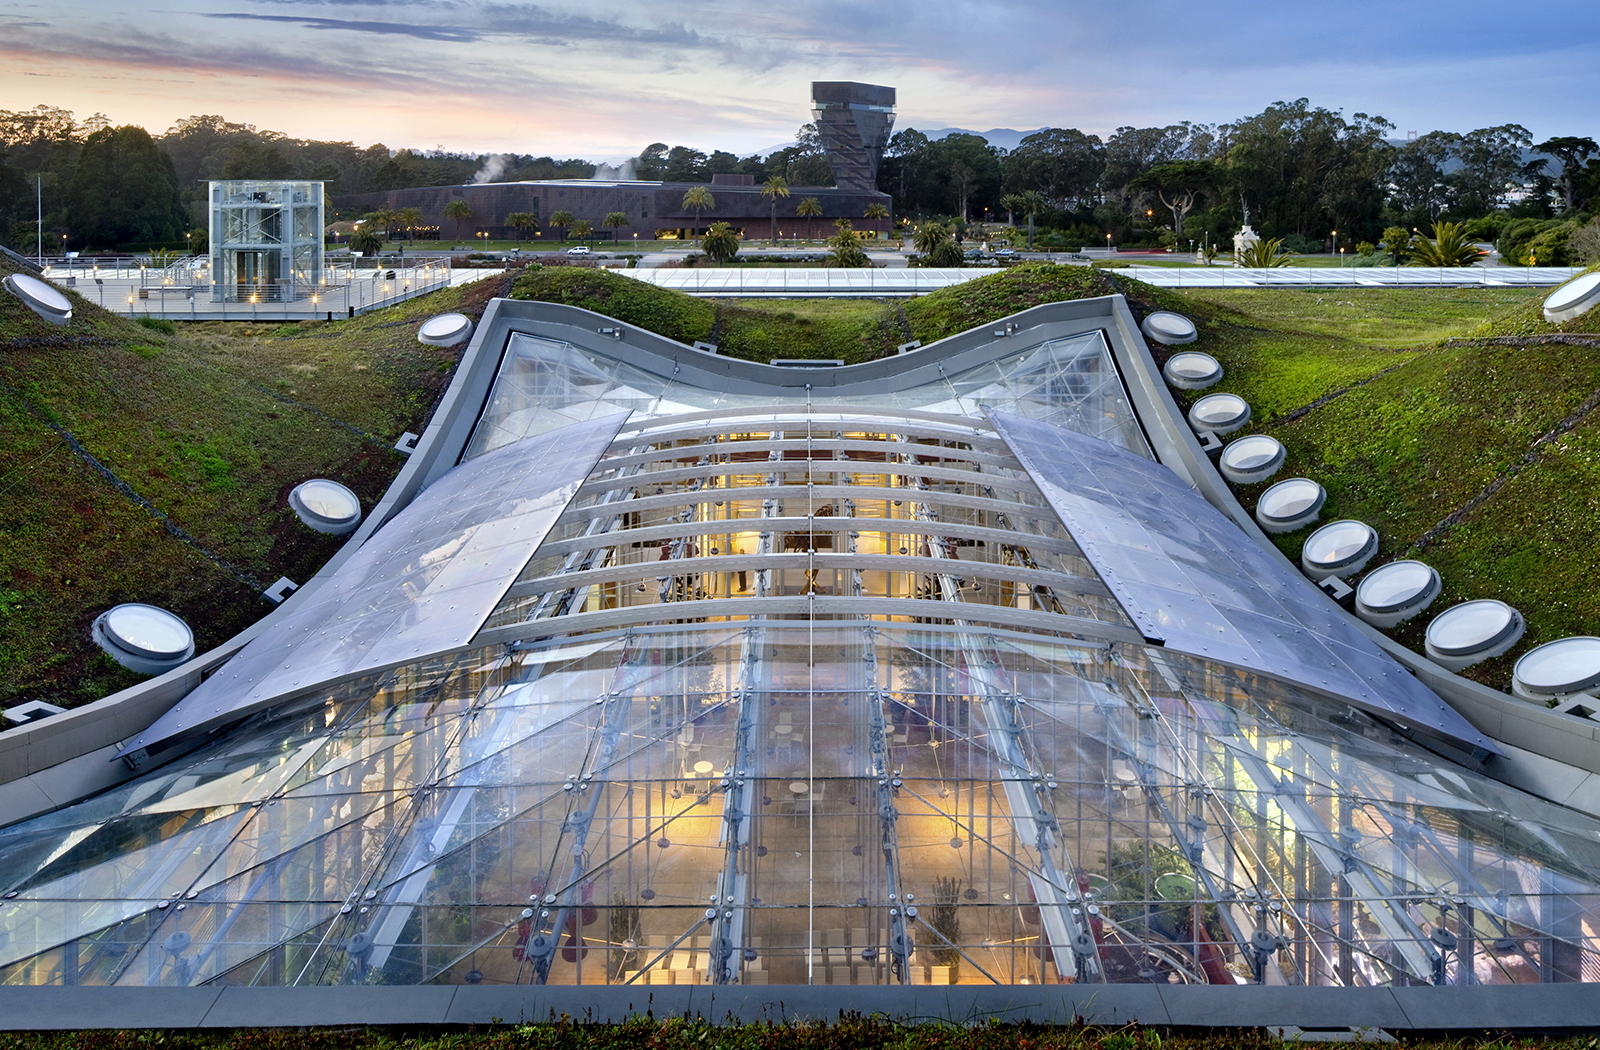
x: 213, y: 423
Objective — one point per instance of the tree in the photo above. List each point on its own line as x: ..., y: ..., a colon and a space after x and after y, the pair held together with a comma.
x: 1396, y: 241
x: 367, y: 240
x: 1450, y: 246
x: 410, y: 219
x: 384, y: 217
x: 720, y: 242
x: 458, y: 210
x: 614, y: 221
x: 1417, y: 174
x: 946, y: 253
x: 808, y: 208
x: 1491, y: 162
x: 124, y: 189
x: 561, y: 220
x: 699, y: 199
x: 929, y: 236
x: 776, y: 186
x: 1177, y: 184
x: 582, y: 229
x: 1064, y: 164
x: 875, y: 213
x: 684, y: 165
x: 1031, y: 202
x: 1264, y: 254
x: 844, y: 247
x: 969, y: 168
x: 522, y: 222
x: 1571, y: 152
x: 651, y: 161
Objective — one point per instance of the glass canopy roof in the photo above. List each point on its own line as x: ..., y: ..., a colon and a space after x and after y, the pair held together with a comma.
x: 804, y: 691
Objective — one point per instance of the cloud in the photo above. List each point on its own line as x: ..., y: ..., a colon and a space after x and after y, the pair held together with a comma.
x: 449, y: 34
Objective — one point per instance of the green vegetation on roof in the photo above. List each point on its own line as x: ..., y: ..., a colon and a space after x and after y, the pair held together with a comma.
x: 213, y: 423
x: 198, y: 435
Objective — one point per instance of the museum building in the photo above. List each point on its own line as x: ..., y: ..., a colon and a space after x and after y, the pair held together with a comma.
x: 656, y: 667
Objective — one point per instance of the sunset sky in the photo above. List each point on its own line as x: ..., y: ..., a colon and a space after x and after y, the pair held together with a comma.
x: 602, y: 79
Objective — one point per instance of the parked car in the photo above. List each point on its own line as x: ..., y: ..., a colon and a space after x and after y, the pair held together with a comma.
x: 1006, y: 253
x: 582, y: 249
x: 974, y: 253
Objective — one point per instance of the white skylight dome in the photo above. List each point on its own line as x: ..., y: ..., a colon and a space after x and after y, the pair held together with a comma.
x: 445, y: 330
x: 1472, y: 632
x: 40, y: 297
x: 1220, y: 413
x: 1290, y: 504
x: 1192, y: 370
x: 326, y: 506
x: 1573, y: 299
x: 1169, y: 329
x: 1394, y: 593
x: 1339, y: 548
x: 143, y: 638
x: 1252, y: 459
x: 1564, y: 667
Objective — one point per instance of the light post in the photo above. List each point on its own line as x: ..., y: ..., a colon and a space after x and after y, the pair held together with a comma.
x: 1108, y: 244
x: 1336, y: 244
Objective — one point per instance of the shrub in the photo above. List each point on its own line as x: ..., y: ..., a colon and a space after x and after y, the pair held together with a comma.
x: 156, y: 324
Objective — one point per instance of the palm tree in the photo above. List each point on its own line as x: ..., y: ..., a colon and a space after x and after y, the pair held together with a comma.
x: 582, y: 230
x: 776, y: 186
x: 410, y: 219
x: 845, y: 247
x: 1012, y: 203
x: 697, y: 200
x: 720, y: 242
x: 1032, y: 202
x: 875, y: 212
x: 1264, y: 254
x: 385, y: 218
x: 561, y: 220
x: 1449, y: 247
x: 614, y: 221
x: 366, y: 239
x: 929, y: 236
x: 522, y: 222
x: 808, y: 209
x: 458, y: 210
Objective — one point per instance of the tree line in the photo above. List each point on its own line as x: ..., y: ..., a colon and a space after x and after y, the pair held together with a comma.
x: 1294, y: 171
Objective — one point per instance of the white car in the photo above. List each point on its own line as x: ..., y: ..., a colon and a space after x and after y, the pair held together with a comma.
x: 582, y: 249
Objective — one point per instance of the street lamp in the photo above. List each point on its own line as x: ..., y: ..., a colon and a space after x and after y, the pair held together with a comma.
x: 1108, y: 244
x: 1335, y: 240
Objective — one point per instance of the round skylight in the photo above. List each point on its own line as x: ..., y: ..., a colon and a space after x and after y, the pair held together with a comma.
x: 1290, y: 505
x: 1251, y: 459
x: 143, y: 638
x: 1473, y: 631
x: 326, y: 506
x: 1394, y: 593
x: 1169, y: 329
x: 1339, y: 548
x: 1573, y: 299
x: 445, y: 330
x: 1559, y: 668
x: 40, y: 297
x: 1192, y: 370
x: 1220, y: 413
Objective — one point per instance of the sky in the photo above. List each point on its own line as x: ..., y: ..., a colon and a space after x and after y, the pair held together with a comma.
x: 604, y: 78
